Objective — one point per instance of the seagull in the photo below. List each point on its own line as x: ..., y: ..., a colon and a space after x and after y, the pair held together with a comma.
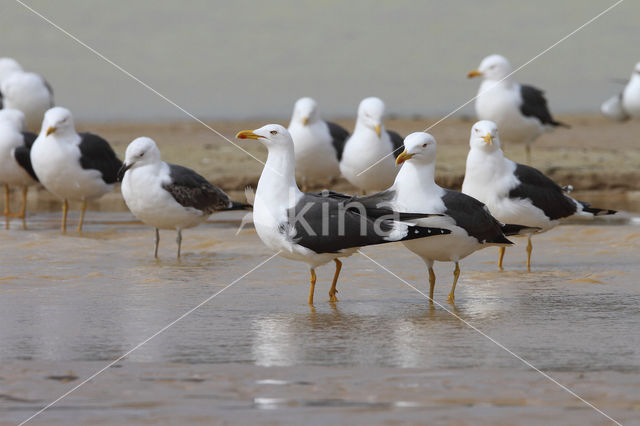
x: 15, y: 161
x: 514, y: 192
x: 318, y: 144
x: 317, y: 228
x: 167, y: 196
x: 25, y: 91
x: 520, y: 110
x: 625, y: 105
x: 368, y: 160
x: 470, y: 224
x: 72, y: 166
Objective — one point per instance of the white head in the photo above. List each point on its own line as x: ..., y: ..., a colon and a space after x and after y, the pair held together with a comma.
x: 484, y: 136
x: 59, y: 121
x: 13, y: 118
x: 493, y: 67
x: 305, y: 111
x: 140, y: 152
x: 271, y: 136
x: 7, y: 67
x: 419, y: 148
x: 370, y: 113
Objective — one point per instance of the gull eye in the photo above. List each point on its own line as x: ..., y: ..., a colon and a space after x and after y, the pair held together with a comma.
x: 274, y: 132
x: 141, y: 154
x: 424, y: 145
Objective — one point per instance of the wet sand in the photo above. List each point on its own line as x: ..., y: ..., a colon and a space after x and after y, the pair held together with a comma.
x: 258, y: 353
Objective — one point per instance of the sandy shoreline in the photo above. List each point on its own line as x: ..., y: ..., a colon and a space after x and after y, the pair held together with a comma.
x: 593, y: 155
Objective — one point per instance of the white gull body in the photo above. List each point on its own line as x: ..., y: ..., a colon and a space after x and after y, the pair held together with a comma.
x: 368, y: 159
x: 626, y: 104
x: 11, y: 137
x: 29, y: 93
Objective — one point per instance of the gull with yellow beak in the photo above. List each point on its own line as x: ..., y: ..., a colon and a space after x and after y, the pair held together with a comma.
x: 470, y: 225
x: 318, y: 144
x: 368, y: 160
x: 514, y: 192
x: 317, y: 228
x: 519, y: 110
x: 74, y: 167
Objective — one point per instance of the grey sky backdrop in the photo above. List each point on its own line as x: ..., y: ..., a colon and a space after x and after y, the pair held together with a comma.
x: 253, y: 59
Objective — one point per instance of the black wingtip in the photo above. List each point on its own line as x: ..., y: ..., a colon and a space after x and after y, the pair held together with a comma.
x: 509, y: 229
x: 239, y: 206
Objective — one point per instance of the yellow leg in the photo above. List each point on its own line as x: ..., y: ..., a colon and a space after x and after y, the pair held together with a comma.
x: 364, y: 193
x: 82, y: 210
x: 456, y: 274
x: 529, y: 250
x: 527, y: 149
x: 65, y: 210
x: 6, y: 200
x: 23, y: 209
x: 333, y: 290
x: 500, y: 257
x: 432, y: 284
x: 156, y: 242
x: 312, y: 287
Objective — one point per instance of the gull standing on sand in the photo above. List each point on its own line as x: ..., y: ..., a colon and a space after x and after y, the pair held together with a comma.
x: 167, y: 196
x: 24, y: 91
x: 471, y: 225
x: 515, y: 193
x: 318, y: 144
x: 316, y: 228
x: 626, y: 104
x: 72, y: 166
x: 519, y: 110
x: 368, y: 160
x: 15, y: 160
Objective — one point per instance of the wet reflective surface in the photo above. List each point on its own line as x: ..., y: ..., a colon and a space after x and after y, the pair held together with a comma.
x: 73, y: 303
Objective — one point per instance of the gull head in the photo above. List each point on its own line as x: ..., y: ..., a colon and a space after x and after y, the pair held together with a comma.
x: 140, y: 152
x: 370, y: 113
x: 14, y: 118
x: 493, y: 67
x: 8, y: 66
x: 271, y: 136
x: 305, y: 111
x: 57, y: 120
x: 484, y: 136
x: 420, y: 148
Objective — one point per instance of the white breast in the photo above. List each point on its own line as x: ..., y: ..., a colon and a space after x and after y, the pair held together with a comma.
x: 363, y: 149
x: 314, y: 152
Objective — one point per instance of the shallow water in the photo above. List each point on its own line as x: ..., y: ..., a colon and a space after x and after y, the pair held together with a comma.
x: 68, y: 302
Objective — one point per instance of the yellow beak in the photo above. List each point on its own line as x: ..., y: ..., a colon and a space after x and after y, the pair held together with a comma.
x: 247, y: 134
x: 377, y: 129
x: 305, y: 120
x: 474, y: 73
x: 404, y: 156
x: 51, y: 130
x: 488, y: 139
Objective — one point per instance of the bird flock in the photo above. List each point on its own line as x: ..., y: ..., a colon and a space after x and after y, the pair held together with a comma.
x: 398, y: 199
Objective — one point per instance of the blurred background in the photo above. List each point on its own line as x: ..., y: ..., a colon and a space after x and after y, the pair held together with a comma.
x: 251, y: 60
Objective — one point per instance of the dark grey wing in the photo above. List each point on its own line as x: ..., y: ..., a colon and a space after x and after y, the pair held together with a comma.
x: 397, y: 141
x: 543, y: 193
x: 534, y: 104
x: 97, y: 154
x: 192, y: 190
x: 22, y: 154
x: 474, y: 217
x: 50, y: 89
x: 327, y: 225
x: 339, y: 136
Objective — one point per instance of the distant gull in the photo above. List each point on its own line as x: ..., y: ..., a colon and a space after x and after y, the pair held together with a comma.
x: 368, y: 160
x: 414, y: 190
x: 318, y: 143
x: 167, y: 196
x: 520, y: 110
x: 316, y: 228
x: 15, y: 160
x: 24, y: 91
x: 625, y: 105
x: 515, y: 193
x: 72, y: 166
